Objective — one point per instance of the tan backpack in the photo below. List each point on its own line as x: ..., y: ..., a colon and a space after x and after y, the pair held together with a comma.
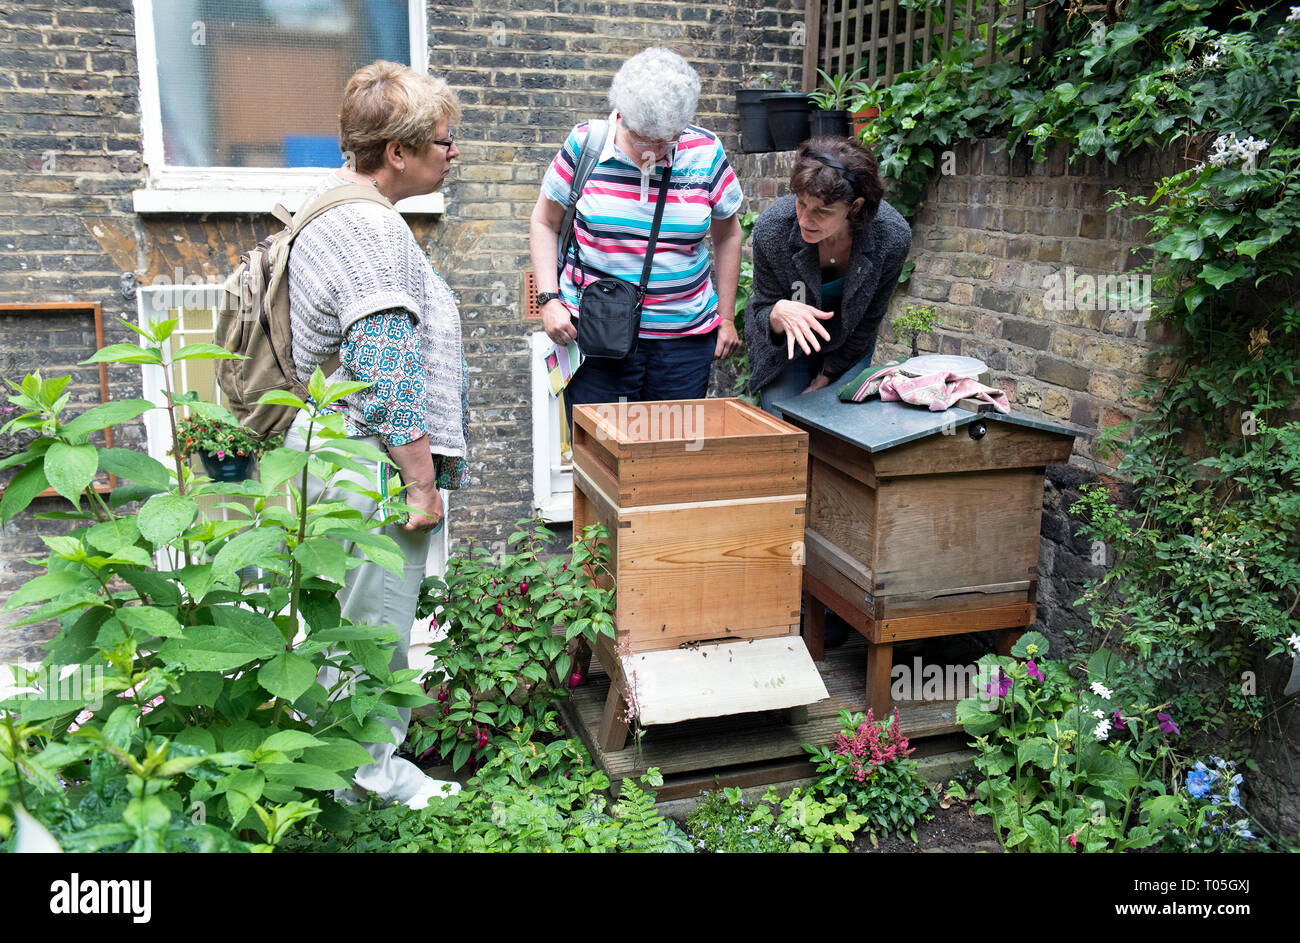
x: 255, y: 319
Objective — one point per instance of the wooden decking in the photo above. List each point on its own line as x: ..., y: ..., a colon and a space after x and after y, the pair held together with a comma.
x: 745, y: 749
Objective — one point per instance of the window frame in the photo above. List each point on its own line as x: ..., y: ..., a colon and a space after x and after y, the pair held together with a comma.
x: 552, y: 483
x: 234, y: 189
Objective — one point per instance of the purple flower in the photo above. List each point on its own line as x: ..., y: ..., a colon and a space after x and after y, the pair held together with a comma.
x: 1002, y: 681
x: 1167, y: 724
x: 1034, y: 672
x: 1118, y: 722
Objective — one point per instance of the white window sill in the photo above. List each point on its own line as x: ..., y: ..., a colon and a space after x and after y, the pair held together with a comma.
x: 245, y: 190
x: 239, y: 200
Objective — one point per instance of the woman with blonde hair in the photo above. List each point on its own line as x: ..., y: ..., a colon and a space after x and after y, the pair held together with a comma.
x: 361, y: 289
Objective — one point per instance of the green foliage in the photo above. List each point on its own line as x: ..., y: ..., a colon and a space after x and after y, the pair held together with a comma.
x: 509, y: 620
x: 800, y: 822
x: 913, y: 322
x: 744, y: 292
x: 867, y: 766
x: 1205, y: 575
x: 1067, y: 766
x: 195, y: 712
x: 563, y: 809
x: 838, y: 91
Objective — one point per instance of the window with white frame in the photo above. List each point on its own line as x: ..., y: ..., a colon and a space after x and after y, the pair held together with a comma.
x: 240, y: 98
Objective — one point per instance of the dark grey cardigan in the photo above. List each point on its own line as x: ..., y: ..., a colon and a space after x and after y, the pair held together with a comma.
x: 782, y: 258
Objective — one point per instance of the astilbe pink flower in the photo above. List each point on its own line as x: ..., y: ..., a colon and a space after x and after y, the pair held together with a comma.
x: 868, y: 743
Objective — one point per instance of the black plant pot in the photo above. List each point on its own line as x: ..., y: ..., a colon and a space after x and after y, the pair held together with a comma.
x: 230, y: 468
x: 754, y: 136
x: 787, y: 118
x: 834, y: 123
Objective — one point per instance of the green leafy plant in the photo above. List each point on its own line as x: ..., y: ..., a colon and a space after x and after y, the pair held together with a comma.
x: 496, y: 813
x: 913, y: 322
x: 508, y: 622
x: 867, y: 766
x: 838, y: 91
x: 802, y: 821
x: 1066, y: 765
x: 197, y: 711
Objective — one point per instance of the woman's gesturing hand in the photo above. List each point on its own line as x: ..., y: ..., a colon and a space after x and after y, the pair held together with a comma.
x: 800, y: 323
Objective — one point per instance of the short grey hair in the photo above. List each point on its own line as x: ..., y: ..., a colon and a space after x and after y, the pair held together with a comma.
x: 656, y: 92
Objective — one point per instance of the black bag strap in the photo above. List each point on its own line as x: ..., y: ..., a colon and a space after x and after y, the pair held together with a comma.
x: 654, y: 238
x: 597, y: 131
x: 654, y: 232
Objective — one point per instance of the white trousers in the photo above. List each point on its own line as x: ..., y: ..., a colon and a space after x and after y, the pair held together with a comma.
x: 374, y: 596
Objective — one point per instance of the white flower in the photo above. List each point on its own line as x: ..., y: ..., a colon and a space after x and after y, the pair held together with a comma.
x: 1229, y: 150
x: 1102, y: 731
x: 1102, y: 691
x: 1294, y: 640
x: 1295, y: 15
x: 1211, y: 60
x: 1099, y: 714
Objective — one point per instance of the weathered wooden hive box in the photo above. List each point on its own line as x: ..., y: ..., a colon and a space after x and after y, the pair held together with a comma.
x: 704, y: 502
x: 922, y: 523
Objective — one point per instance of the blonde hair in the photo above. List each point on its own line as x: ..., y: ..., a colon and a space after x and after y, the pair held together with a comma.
x: 388, y: 101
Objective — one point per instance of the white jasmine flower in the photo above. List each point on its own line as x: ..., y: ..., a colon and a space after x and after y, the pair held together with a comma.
x: 1211, y: 60
x: 1099, y: 714
x: 1102, y: 731
x: 1294, y: 640
x: 1102, y: 691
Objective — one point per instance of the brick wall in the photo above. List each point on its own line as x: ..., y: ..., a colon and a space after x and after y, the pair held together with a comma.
x: 1001, y: 247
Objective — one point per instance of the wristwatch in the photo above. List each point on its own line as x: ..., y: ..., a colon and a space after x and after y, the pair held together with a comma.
x: 545, y: 296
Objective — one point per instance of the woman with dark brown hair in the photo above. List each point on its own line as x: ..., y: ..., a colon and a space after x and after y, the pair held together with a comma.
x: 826, y: 260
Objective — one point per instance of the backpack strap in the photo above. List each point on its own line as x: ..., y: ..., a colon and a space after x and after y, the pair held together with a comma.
x: 334, y: 196
x: 597, y: 131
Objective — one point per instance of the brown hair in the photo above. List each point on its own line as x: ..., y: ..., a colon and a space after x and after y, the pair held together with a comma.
x: 856, y: 176
x: 388, y: 101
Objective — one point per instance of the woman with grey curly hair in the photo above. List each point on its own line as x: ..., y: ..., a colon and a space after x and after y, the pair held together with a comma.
x: 686, y: 321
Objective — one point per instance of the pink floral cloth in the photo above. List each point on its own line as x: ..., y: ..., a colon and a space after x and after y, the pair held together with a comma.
x: 938, y: 391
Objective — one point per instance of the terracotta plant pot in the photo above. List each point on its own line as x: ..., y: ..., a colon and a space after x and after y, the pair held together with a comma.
x: 863, y: 118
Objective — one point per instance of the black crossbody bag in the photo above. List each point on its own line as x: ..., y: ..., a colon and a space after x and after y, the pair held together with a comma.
x: 609, y: 309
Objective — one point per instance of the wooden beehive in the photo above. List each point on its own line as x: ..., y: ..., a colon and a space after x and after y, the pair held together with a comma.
x: 704, y: 502
x: 922, y: 524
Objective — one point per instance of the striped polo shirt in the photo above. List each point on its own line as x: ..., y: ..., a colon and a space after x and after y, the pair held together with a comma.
x: 614, y: 220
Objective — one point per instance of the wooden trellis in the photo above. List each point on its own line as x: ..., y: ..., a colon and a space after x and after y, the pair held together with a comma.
x: 884, y: 37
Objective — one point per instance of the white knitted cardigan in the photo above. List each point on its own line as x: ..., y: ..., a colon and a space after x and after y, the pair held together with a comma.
x: 359, y: 258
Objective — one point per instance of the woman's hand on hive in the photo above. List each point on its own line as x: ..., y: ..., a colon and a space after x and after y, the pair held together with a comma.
x: 557, y: 323
x: 800, y: 323
x: 817, y: 383
x: 728, y: 340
